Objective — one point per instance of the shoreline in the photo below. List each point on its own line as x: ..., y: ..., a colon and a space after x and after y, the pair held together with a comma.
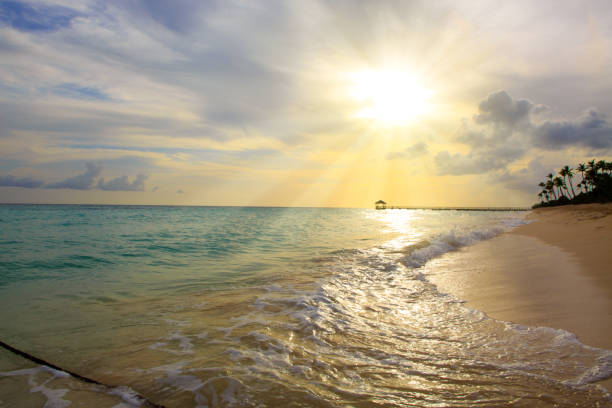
x: 554, y: 272
x: 584, y: 234
x: 583, y: 230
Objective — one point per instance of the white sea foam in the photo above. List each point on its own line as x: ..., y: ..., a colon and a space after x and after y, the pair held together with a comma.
x: 215, y: 391
x: 54, y: 396
x: 600, y: 371
x: 447, y: 242
x: 407, y: 309
x: 128, y: 395
x: 184, y: 344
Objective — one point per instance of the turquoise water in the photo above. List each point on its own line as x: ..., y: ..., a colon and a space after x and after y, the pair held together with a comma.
x: 162, y: 247
x: 228, y: 306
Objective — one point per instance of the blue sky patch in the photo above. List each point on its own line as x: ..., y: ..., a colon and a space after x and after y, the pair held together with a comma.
x: 81, y: 92
x: 28, y: 17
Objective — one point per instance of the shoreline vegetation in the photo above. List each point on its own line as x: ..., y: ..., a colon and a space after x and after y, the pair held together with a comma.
x: 595, y: 185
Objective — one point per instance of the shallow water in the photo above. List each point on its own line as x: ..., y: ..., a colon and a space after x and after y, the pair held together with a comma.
x: 216, y: 306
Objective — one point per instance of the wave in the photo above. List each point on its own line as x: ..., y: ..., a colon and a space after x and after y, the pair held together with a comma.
x: 417, y: 255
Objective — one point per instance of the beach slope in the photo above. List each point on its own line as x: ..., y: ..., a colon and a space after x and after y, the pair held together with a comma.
x: 555, y: 271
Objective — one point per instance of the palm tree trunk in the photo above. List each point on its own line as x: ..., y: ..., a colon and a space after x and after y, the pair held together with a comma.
x: 569, y: 179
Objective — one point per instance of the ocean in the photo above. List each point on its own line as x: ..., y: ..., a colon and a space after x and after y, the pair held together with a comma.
x: 265, y: 307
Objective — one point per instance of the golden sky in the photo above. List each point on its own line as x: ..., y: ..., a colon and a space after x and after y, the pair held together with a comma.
x: 299, y: 103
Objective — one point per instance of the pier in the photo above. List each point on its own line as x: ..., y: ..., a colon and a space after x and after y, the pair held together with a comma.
x: 381, y: 205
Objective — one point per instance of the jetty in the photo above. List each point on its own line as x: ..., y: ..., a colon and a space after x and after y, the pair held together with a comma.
x: 382, y: 205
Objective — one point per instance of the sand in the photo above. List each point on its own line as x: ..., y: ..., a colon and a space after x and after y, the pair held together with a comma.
x: 554, y: 272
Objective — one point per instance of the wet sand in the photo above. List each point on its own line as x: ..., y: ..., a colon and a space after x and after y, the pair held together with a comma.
x: 554, y: 272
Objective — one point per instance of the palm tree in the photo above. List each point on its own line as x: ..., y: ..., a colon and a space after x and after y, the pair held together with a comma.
x: 591, y: 173
x: 591, y: 177
x: 560, y: 184
x: 596, y: 184
x: 567, y: 173
x: 582, y: 168
x: 549, y: 187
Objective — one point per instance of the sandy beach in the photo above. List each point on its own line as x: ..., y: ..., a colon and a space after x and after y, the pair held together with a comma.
x: 555, y: 271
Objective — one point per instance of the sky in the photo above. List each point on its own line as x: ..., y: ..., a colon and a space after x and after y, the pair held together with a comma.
x: 299, y: 103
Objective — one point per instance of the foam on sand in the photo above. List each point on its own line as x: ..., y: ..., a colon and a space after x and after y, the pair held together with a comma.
x: 553, y: 272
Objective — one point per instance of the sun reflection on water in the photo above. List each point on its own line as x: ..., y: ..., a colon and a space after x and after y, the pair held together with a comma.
x: 403, y: 224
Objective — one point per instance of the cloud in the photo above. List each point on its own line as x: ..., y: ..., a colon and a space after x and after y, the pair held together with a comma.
x: 504, y: 131
x: 84, y: 181
x: 81, y: 182
x: 591, y: 130
x: 501, y: 109
x: 122, y: 184
x: 477, y: 161
x: 180, y: 17
x: 523, y: 179
x: 416, y: 150
x: 145, y: 75
x: 26, y: 182
x: 40, y: 17
x: 76, y: 91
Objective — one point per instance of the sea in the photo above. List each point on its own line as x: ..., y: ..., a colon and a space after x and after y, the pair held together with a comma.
x: 265, y: 307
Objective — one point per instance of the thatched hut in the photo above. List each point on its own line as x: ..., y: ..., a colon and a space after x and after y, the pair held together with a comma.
x: 381, y: 205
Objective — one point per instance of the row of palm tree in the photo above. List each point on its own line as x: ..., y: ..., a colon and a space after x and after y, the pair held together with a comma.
x: 595, y: 184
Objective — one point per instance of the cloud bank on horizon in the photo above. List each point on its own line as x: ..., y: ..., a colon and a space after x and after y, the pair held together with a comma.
x: 84, y: 181
x: 250, y: 103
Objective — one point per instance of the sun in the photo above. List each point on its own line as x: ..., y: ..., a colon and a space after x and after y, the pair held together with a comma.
x: 389, y: 97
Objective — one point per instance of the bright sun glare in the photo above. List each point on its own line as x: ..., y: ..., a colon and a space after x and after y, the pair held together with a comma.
x: 389, y: 97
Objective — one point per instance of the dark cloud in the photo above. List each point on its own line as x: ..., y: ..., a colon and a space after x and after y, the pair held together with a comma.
x: 83, y: 181
x: 501, y: 109
x: 591, y: 130
x: 26, y: 182
x: 416, y: 150
x: 123, y: 184
x: 503, y: 132
x: 538, y: 109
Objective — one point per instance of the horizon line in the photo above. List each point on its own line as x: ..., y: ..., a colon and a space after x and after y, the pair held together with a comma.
x: 441, y: 208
